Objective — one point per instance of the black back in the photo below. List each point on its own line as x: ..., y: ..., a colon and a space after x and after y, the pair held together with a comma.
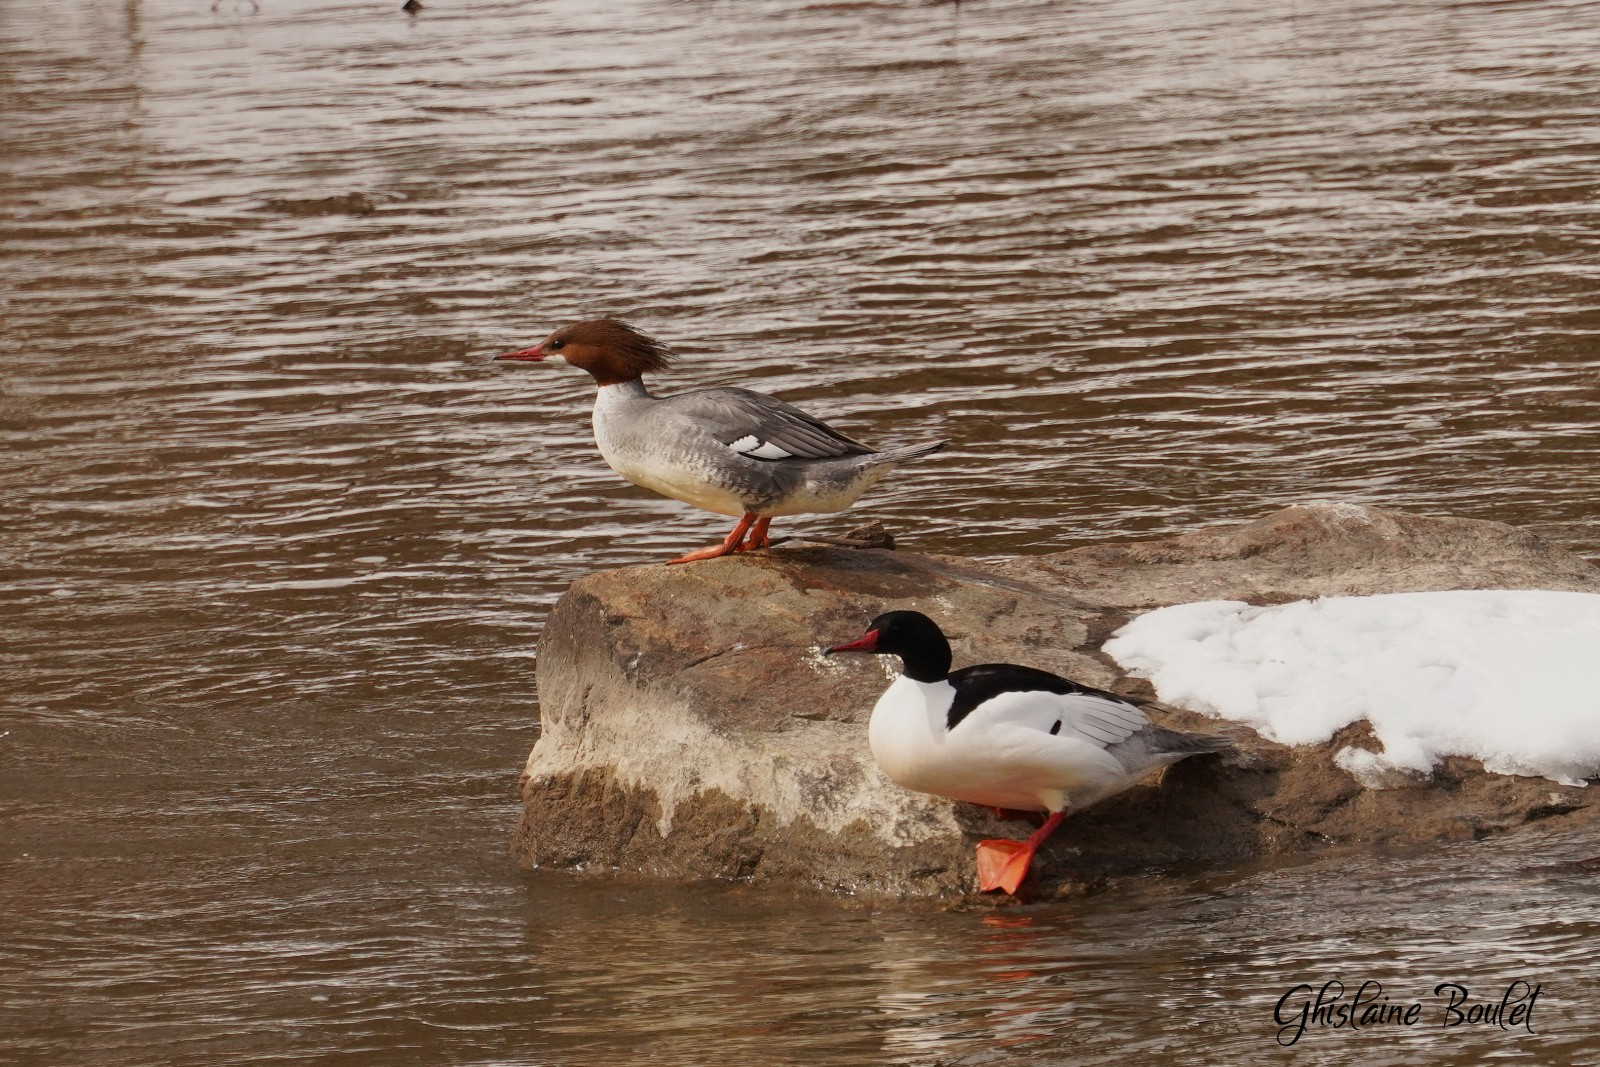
x: 983, y: 681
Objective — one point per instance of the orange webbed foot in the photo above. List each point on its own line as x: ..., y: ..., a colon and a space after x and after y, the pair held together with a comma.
x: 731, y: 544
x: 1003, y: 864
x: 707, y: 553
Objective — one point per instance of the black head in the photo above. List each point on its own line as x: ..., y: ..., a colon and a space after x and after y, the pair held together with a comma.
x: 912, y: 636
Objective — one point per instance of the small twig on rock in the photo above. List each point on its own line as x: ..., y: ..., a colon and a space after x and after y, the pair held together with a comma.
x: 871, y: 535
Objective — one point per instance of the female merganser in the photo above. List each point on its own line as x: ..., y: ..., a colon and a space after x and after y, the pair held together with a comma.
x: 731, y: 451
x: 1006, y: 737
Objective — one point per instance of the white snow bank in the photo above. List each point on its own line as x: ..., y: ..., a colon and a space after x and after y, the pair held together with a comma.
x: 1509, y: 677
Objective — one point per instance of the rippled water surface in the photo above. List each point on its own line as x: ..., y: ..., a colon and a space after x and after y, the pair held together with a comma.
x: 276, y: 540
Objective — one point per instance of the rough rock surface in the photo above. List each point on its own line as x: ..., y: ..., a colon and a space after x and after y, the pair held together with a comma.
x: 692, y: 729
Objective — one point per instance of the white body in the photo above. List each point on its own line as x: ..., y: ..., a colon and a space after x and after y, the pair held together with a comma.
x: 1003, y: 754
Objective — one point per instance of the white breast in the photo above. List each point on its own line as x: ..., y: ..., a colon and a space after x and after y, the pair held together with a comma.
x: 671, y: 468
x: 1001, y: 755
x: 906, y: 733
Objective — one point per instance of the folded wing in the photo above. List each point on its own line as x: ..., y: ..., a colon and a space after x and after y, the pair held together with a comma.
x: 758, y: 426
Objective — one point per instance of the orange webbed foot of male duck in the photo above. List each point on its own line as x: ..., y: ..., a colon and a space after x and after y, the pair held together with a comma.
x: 1004, y: 864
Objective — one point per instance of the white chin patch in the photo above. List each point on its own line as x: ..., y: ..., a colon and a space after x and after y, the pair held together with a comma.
x: 554, y: 357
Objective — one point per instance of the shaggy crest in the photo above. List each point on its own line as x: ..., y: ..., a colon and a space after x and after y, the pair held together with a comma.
x: 628, y: 349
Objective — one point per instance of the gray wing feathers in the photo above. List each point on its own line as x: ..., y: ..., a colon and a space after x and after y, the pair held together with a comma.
x: 1102, y: 720
x: 761, y: 427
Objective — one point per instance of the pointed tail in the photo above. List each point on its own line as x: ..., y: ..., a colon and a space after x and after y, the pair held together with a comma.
x: 1181, y: 745
x: 905, y: 453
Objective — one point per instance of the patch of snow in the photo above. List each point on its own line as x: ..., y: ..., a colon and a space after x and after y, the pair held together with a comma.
x: 1508, y: 677
x: 1372, y: 771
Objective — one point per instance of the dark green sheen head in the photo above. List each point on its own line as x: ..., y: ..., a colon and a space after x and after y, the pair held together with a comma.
x: 912, y: 636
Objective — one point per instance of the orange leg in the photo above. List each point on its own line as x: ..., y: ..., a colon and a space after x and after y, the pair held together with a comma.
x: 758, y: 535
x: 730, y: 544
x: 1004, y: 864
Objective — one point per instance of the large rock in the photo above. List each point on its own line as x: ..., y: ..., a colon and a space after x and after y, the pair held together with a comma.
x: 692, y: 729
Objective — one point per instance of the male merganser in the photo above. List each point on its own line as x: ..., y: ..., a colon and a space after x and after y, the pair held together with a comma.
x: 731, y: 451
x: 1006, y: 737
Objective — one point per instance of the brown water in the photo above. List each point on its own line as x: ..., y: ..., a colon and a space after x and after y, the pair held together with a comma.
x: 276, y: 540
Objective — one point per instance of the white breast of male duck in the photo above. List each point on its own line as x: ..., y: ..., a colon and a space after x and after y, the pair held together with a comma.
x: 1012, y: 748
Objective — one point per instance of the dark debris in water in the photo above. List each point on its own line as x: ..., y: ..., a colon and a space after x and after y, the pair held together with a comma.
x: 342, y: 204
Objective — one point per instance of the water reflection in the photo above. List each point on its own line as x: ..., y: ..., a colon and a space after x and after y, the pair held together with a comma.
x: 276, y: 540
x: 1091, y: 982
